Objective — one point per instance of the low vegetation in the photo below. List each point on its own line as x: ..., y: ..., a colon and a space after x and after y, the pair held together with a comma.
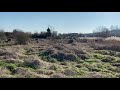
x: 48, y: 55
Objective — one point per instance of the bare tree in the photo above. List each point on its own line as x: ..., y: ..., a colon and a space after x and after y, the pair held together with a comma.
x: 102, y: 31
x: 54, y: 33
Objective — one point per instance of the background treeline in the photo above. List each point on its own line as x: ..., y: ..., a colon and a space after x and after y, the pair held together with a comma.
x: 21, y: 37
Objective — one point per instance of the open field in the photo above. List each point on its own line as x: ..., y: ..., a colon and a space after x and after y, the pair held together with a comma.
x: 57, y: 58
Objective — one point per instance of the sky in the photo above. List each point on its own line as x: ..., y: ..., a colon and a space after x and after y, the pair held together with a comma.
x: 63, y: 22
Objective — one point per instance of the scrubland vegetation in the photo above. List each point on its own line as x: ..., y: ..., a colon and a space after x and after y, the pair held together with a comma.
x: 48, y: 55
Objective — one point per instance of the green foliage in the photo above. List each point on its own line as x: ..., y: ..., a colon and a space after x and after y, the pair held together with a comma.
x: 93, y: 60
x: 11, y: 67
x: 98, y: 56
x: 35, y: 64
x: 108, y: 59
x: 103, y: 52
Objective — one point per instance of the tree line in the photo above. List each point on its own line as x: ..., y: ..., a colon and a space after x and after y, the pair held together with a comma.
x: 21, y: 37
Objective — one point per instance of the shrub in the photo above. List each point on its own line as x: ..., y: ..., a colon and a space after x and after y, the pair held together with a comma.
x: 117, y: 54
x: 98, y: 56
x: 48, y: 52
x: 21, y: 37
x: 64, y: 63
x: 95, y: 69
x: 70, y: 41
x: 93, y: 60
x: 60, y: 56
x: 52, y: 60
x: 78, y: 66
x: 35, y: 64
x: 116, y: 64
x: 83, y: 56
x: 11, y: 67
x: 112, y: 53
x: 108, y: 59
x: 104, y: 52
x: 71, y: 57
x: 115, y: 69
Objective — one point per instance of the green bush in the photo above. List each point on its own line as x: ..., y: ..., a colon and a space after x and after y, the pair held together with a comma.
x: 108, y: 59
x: 117, y: 54
x: 112, y: 53
x: 11, y: 67
x: 98, y: 56
x: 35, y: 64
x: 103, y: 52
x: 116, y: 64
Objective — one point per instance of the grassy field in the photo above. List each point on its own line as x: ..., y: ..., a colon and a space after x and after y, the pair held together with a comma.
x: 57, y: 58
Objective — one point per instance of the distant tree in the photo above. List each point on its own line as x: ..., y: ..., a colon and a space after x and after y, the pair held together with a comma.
x: 80, y: 35
x: 114, y: 27
x: 54, y: 33
x: 48, y: 32
x: 43, y: 35
x: 9, y: 35
x: 102, y: 32
x: 15, y: 31
x: 35, y: 35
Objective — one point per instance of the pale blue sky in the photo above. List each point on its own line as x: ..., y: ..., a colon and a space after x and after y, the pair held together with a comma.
x: 64, y: 22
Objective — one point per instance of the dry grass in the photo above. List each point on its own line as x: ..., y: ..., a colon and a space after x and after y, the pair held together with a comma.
x: 34, y: 59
